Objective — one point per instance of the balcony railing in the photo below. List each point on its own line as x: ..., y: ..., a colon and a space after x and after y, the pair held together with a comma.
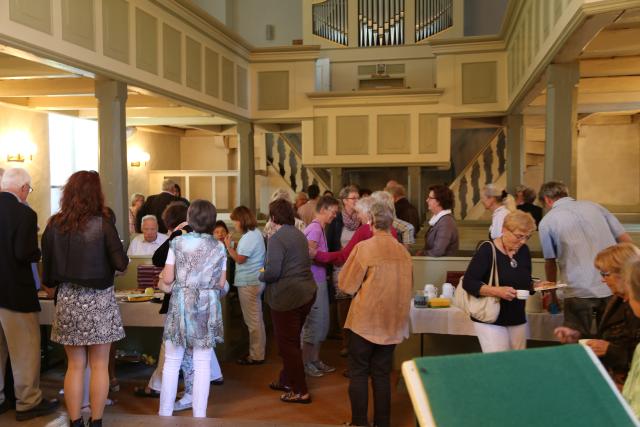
x: 330, y: 21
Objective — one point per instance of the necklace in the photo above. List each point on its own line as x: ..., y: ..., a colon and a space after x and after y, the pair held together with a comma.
x: 512, y: 262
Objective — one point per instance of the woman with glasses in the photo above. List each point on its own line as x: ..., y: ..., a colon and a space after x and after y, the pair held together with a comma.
x: 618, y: 333
x: 442, y: 236
x: 339, y: 233
x: 513, y: 262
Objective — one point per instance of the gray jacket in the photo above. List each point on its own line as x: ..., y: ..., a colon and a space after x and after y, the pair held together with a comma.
x: 442, y: 238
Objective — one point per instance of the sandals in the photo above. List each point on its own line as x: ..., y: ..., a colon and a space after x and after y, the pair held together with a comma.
x: 142, y: 392
x: 291, y: 397
x: 248, y: 361
x: 280, y: 387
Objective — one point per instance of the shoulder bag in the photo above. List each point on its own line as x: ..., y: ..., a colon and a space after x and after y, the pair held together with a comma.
x: 484, y: 309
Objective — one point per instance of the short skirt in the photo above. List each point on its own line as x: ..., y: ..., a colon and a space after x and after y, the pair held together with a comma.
x: 86, y: 316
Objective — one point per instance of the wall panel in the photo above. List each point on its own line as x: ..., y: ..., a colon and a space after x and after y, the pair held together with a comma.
x: 146, y: 42
x: 394, y: 134
x: 194, y: 64
x: 32, y: 13
x: 352, y: 135
x: 115, y: 30
x: 171, y: 53
x: 78, y: 22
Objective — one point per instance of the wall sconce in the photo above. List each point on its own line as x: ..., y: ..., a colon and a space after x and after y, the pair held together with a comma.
x: 137, y: 157
x: 16, y: 146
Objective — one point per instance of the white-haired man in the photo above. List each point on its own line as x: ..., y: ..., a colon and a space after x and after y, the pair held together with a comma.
x: 145, y: 244
x: 19, y: 306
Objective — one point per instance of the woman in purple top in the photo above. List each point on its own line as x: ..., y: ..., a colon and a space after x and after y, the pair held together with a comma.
x: 316, y: 326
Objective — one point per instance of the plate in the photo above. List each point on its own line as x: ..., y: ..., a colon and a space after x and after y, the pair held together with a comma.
x: 550, y: 287
x: 134, y: 298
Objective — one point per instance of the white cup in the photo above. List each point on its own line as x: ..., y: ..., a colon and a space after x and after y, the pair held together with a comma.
x: 429, y: 287
x: 447, y: 290
x: 522, y: 294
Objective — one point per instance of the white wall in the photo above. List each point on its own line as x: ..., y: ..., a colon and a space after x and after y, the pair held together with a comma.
x: 216, y: 8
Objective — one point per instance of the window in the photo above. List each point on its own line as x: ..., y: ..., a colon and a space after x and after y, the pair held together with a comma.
x: 73, y: 146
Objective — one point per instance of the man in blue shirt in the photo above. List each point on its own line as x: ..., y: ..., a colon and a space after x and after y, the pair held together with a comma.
x: 572, y: 233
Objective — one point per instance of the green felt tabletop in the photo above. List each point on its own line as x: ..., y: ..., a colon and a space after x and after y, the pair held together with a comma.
x: 553, y: 386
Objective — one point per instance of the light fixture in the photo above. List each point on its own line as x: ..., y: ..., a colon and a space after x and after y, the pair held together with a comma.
x: 137, y: 157
x: 16, y: 146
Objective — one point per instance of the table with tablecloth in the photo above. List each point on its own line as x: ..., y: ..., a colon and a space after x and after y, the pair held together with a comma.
x: 452, y: 321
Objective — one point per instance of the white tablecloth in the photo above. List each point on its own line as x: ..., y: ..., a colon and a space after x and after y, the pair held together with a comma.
x: 144, y: 314
x: 453, y: 321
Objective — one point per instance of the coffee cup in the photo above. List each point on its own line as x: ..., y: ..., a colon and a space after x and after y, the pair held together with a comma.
x: 522, y: 294
x: 429, y: 288
x: 447, y: 290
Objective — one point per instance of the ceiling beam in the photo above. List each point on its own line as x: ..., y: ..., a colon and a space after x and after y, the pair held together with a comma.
x: 609, y: 84
x: 584, y: 36
x: 12, y: 67
x: 90, y: 102
x: 47, y: 87
x: 606, y: 67
x: 610, y: 43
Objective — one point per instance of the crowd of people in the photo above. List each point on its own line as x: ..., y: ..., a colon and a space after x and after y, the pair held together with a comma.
x: 314, y: 249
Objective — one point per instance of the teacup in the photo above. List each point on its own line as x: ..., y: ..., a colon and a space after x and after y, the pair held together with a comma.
x: 429, y: 288
x: 448, y: 290
x: 522, y: 294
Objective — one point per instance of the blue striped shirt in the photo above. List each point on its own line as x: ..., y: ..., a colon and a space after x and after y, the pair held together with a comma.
x: 573, y: 232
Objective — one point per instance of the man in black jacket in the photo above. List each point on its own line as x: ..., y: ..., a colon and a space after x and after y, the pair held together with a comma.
x: 19, y: 306
x: 156, y: 204
x: 404, y: 209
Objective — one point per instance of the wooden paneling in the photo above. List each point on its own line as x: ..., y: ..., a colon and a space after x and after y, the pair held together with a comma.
x: 428, y: 133
x: 78, y: 22
x: 242, y: 90
x: 228, y: 81
x: 171, y: 54
x: 352, y: 135
x: 146, y: 42
x: 35, y: 14
x: 320, y: 136
x: 479, y: 82
x: 211, y: 73
x: 115, y: 30
x: 273, y: 90
x: 394, y: 134
x: 194, y: 64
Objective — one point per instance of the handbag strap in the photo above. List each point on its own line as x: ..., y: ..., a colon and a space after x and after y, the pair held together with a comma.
x: 494, y: 266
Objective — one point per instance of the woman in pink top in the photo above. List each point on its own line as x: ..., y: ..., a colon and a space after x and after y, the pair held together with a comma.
x: 363, y: 232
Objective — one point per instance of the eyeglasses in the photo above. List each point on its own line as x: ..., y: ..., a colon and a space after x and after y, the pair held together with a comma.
x: 521, y: 237
x: 30, y: 188
x: 605, y: 274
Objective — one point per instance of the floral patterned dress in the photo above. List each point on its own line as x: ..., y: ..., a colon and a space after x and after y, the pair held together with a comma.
x: 194, y: 318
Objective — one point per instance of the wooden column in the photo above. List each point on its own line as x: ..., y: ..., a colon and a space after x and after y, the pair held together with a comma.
x: 515, y: 151
x: 112, y: 99
x: 247, y: 186
x: 561, y: 124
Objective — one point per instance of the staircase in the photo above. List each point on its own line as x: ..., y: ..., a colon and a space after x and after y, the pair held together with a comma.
x: 284, y: 158
x: 488, y: 166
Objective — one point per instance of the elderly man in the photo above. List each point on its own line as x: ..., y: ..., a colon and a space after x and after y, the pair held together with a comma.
x: 19, y: 306
x: 156, y: 204
x: 145, y: 244
x: 572, y: 233
x: 404, y: 209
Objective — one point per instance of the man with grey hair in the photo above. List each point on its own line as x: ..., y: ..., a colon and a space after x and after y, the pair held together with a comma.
x: 406, y: 232
x: 404, y: 209
x: 155, y: 205
x: 572, y: 233
x: 145, y: 244
x: 19, y: 306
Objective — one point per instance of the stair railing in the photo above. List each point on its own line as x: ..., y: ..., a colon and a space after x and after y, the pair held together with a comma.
x: 486, y: 167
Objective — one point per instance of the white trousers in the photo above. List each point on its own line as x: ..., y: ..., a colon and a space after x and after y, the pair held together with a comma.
x: 495, y: 338
x: 202, y: 372
x: 155, y: 382
x: 251, y: 305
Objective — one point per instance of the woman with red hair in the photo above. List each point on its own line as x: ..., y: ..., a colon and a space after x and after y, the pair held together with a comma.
x: 81, y: 251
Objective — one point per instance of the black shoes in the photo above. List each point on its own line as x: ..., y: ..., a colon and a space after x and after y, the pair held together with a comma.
x: 95, y: 423
x: 77, y: 423
x: 5, y: 406
x: 45, y: 407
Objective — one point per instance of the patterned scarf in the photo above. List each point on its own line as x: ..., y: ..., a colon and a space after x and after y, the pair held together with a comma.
x: 351, y: 222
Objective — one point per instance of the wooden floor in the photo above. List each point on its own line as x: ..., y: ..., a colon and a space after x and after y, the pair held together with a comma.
x: 244, y: 400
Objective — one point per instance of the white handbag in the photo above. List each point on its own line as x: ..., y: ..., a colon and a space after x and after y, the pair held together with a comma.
x: 484, y: 309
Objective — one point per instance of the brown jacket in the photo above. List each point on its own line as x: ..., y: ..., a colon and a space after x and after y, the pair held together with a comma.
x: 379, y: 274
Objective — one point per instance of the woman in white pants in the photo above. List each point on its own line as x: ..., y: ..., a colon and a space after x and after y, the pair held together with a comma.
x: 513, y: 261
x: 195, y: 272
